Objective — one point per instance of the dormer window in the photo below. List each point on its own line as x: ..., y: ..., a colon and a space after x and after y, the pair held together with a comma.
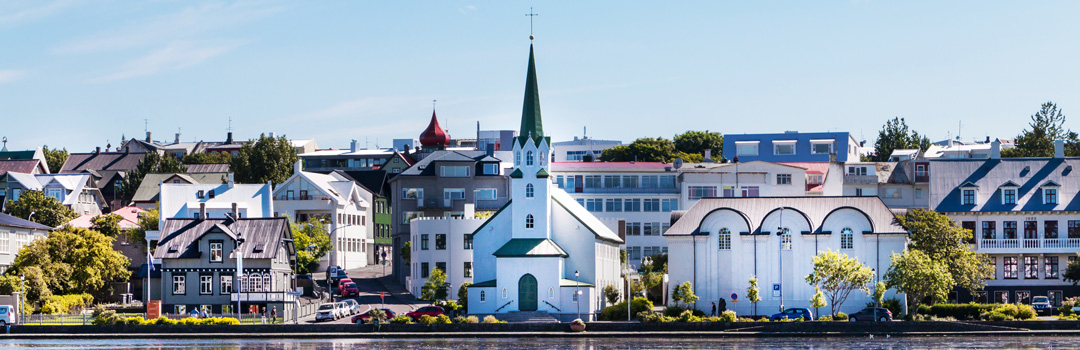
x: 200, y: 194
x: 1050, y: 192
x: 491, y: 169
x: 1008, y: 193
x: 968, y: 194
x: 210, y: 194
x: 529, y: 158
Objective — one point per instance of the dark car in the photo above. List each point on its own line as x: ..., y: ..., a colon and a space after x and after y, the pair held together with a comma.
x: 349, y: 289
x: 426, y: 310
x: 1041, y: 304
x: 794, y: 313
x: 868, y: 314
x: 361, y: 318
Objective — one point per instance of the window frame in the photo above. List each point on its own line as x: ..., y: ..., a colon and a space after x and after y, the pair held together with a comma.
x: 179, y: 284
x: 220, y: 258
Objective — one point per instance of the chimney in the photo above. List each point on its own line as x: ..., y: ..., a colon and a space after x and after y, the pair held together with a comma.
x: 352, y: 146
x: 177, y: 138
x: 273, y: 134
x: 235, y: 211
x: 832, y: 157
x: 148, y: 139
x: 202, y: 211
x: 97, y: 149
x: 1059, y: 148
x: 995, y: 149
x: 490, y: 150
x: 987, y: 139
x: 228, y: 139
x: 862, y: 143
x: 231, y: 180
x: 950, y: 144
x: 298, y: 167
x: 708, y: 156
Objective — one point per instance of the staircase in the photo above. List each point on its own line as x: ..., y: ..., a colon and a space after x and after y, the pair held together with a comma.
x: 529, y: 317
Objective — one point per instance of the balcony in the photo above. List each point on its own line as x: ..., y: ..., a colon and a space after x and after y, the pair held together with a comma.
x: 621, y: 190
x: 283, y: 296
x: 860, y: 179
x: 1029, y: 245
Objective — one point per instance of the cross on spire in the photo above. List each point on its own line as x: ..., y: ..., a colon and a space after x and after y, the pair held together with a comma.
x: 531, y: 15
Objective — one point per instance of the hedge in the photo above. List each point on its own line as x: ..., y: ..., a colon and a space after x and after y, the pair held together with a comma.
x: 618, y: 311
x: 973, y: 311
x: 60, y: 304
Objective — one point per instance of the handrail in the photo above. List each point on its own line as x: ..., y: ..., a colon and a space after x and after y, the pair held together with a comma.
x: 552, y: 306
x: 504, y: 305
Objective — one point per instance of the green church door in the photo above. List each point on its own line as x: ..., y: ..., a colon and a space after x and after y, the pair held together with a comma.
x: 527, y: 293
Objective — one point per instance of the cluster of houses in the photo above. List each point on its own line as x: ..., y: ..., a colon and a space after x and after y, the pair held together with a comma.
x: 541, y: 227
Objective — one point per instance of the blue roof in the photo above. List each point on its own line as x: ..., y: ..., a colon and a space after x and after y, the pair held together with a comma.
x: 11, y: 221
x: 841, y: 144
x: 1028, y: 175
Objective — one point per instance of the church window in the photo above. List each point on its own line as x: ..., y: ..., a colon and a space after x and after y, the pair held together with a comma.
x: 543, y: 158
x: 483, y: 296
x: 785, y: 239
x: 529, y: 191
x: 847, y: 238
x: 725, y: 239
x: 529, y: 221
x: 529, y: 158
x: 517, y: 158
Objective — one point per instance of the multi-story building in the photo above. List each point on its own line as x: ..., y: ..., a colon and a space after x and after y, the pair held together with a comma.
x: 108, y: 170
x: 181, y: 201
x: 792, y: 146
x: 957, y: 149
x: 328, y: 160
x: 580, y: 149
x: 749, y: 179
x: 16, y: 233
x: 339, y: 203
x: 75, y: 191
x: 443, y: 243
x: 377, y: 193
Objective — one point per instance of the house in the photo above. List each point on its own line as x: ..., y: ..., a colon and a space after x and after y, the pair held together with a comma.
x: 16, y: 233
x: 26, y: 166
x: 148, y: 194
x: 581, y: 149
x: 377, y: 193
x: 791, y: 146
x: 135, y: 251
x: 720, y: 243
x: 75, y: 191
x: 443, y: 243
x: 179, y: 200
x: 108, y: 170
x: 337, y: 201
x: 957, y: 149
x: 745, y: 179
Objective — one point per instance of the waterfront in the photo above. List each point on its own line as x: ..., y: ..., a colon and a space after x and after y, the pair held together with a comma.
x: 1026, y: 342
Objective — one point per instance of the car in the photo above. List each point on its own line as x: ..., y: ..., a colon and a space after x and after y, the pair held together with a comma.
x: 868, y: 314
x: 349, y: 290
x: 431, y: 310
x: 327, y: 312
x: 365, y: 316
x: 343, y: 309
x: 7, y: 315
x: 1041, y: 304
x: 354, y: 307
x: 793, y: 313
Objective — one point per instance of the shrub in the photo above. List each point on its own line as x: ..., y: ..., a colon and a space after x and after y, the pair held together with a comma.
x: 137, y: 320
x: 376, y: 314
x: 969, y: 311
x: 463, y: 319
x: 60, y: 304
x: 840, y: 316
x: 744, y: 319
x: 675, y: 311
x: 401, y: 319
x: 1067, y: 305
x: 164, y: 320
x: 618, y: 311
x: 894, y: 306
x: 442, y: 319
x: 688, y: 316
x: 728, y: 316
x: 492, y: 319
x: 930, y: 318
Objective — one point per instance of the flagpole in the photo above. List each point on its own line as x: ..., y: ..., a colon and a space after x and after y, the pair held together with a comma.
x: 149, y: 267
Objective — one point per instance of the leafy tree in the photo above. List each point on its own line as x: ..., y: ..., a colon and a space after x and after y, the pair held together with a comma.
x: 54, y: 158
x: 817, y: 301
x: 696, y: 142
x: 878, y: 293
x: 206, y: 158
x: 1072, y: 272
x: 107, y: 224
x: 611, y: 294
x: 752, y: 293
x: 148, y: 221
x: 1047, y: 125
x: 463, y: 296
x: 838, y: 275
x: 647, y: 149
x: 942, y: 240
x: 685, y: 294
x: 406, y: 252
x: 268, y: 159
x: 918, y: 276
x: 47, y: 210
x: 652, y: 282
x: 435, y: 287
x: 312, y: 243
x: 895, y: 135
x: 72, y: 261
x: 150, y: 164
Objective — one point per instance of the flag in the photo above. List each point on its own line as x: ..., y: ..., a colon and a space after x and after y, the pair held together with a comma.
x: 149, y: 262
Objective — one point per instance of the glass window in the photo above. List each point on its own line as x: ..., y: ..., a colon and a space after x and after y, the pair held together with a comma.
x: 206, y: 284
x: 785, y: 239
x: 1031, y: 229
x: 1008, y: 196
x: 669, y: 204
x: 784, y: 149
x: 455, y: 171
x: 491, y: 169
x: 468, y: 241
x: 783, y: 179
x: 440, y: 241
x: 652, y: 204
x: 1074, y: 228
x: 633, y: 229
x: 1050, y: 229
x: 632, y: 204
x: 226, y: 284
x: 215, y: 251
x: 746, y: 149
x: 593, y: 181
x: 630, y: 181
x: 486, y: 194
x: 1031, y: 267
x: 725, y: 239
x: 969, y: 197
x: 424, y: 242
x: 529, y: 191
x: 412, y: 193
x: 1051, y: 264
x: 1050, y: 196
x: 613, y: 204
x: 178, y: 285
x: 594, y: 204
x: 847, y: 238
x: 1011, y: 271
x: 612, y: 181
x: 1010, y: 230
x: 698, y: 192
x: 529, y: 221
x: 650, y: 181
x: 989, y: 230
x: 483, y: 296
x: 517, y: 158
x: 821, y: 148
x: 423, y: 270
x: 667, y: 181
x: 1001, y: 296
x: 468, y: 269
x: 409, y: 216
x: 529, y: 160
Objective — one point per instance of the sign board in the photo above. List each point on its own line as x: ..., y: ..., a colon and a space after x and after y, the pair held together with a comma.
x: 153, y: 309
x: 734, y: 298
x: 776, y: 290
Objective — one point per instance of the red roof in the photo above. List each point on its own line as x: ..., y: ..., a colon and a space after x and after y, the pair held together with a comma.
x: 813, y: 168
x: 434, y: 135
x: 18, y: 165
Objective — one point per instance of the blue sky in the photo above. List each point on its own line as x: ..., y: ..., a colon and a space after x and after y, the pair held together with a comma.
x: 78, y: 74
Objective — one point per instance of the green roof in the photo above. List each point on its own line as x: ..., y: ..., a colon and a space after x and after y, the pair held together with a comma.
x: 572, y: 283
x: 542, y: 173
x: 484, y: 284
x: 532, y: 127
x: 530, y: 247
x: 517, y: 174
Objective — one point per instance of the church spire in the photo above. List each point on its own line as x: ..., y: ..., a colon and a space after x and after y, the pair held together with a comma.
x: 531, y: 125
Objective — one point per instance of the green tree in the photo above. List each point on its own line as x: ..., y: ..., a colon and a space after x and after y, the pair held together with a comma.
x: 72, y: 261
x: 685, y: 294
x: 54, y: 158
x: 406, y: 252
x: 817, y: 301
x: 838, y: 275
x: 647, y: 149
x: 895, y: 135
x: 107, y: 224
x: 611, y: 294
x: 696, y: 142
x: 918, y: 276
x: 1072, y: 272
x: 463, y: 296
x: 268, y: 159
x: 46, y: 210
x: 150, y: 164
x: 148, y: 221
x: 435, y: 287
x: 877, y: 294
x: 312, y: 243
x: 1047, y: 125
x: 752, y: 293
x: 942, y: 240
x: 206, y: 158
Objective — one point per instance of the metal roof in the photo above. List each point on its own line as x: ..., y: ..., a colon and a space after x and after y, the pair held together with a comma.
x: 11, y: 221
x: 208, y: 168
x: 530, y: 247
x: 180, y: 236
x: 20, y: 166
x: 813, y: 209
x: 79, y: 162
x: 987, y: 176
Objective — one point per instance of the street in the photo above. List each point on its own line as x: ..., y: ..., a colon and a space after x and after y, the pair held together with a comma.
x: 367, y: 280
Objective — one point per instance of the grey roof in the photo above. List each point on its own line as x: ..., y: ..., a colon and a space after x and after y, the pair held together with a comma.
x: 988, y: 175
x: 813, y: 209
x: 207, y: 168
x: 423, y: 168
x: 149, y: 189
x: 180, y: 236
x: 11, y: 221
x: 80, y: 162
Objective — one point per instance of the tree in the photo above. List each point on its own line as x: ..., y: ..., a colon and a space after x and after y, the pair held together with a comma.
x: 877, y: 294
x: 47, y: 210
x: 406, y: 252
x: 73, y: 260
x: 817, y: 301
x: 435, y: 287
x: 107, y: 224
x: 685, y: 294
x: 312, y: 243
x: 1072, y: 272
x: 611, y: 294
x: 150, y: 164
x: 268, y: 159
x: 895, y: 135
x: 463, y: 296
x: 696, y: 142
x: 1047, y: 125
x: 837, y: 275
x: 918, y: 276
x: 752, y: 293
x: 54, y: 158
x: 148, y: 221
x: 206, y: 158
x: 647, y: 149
x: 942, y: 240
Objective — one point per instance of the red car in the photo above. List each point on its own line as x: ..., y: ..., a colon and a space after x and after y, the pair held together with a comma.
x: 426, y: 310
x: 350, y: 289
x: 365, y: 316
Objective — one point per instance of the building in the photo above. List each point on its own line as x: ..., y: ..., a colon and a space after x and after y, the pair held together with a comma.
x: 791, y: 146
x: 339, y: 203
x: 108, y: 170
x: 901, y: 185
x: 75, y: 191
x: 16, y: 233
x: 542, y: 252
x: 376, y: 192
x: 148, y: 194
x: 443, y: 243
x: 745, y: 179
x: 1023, y: 214
x: 957, y: 149
x: 581, y: 149
x: 720, y: 243
x: 135, y: 251
x: 184, y: 201
x: 494, y: 139
x: 352, y: 159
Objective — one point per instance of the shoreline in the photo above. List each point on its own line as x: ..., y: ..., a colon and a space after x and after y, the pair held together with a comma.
x: 564, y: 335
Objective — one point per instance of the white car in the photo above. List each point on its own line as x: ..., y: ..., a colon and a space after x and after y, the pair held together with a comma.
x: 7, y: 315
x: 354, y: 307
x: 342, y: 309
x: 327, y: 312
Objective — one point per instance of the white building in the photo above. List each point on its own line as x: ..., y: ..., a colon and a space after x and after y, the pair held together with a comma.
x: 74, y: 191
x: 957, y: 149
x: 340, y: 203
x: 580, y: 149
x: 749, y: 179
x: 193, y: 201
x: 542, y: 251
x: 443, y: 243
x: 16, y: 233
x: 720, y: 243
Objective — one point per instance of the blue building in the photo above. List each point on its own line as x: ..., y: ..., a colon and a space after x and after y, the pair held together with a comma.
x: 791, y: 146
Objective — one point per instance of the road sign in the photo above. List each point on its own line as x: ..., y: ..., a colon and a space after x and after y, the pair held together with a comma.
x: 734, y: 298
x: 153, y: 309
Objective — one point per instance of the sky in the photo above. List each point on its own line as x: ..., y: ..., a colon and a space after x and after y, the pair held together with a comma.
x: 79, y: 74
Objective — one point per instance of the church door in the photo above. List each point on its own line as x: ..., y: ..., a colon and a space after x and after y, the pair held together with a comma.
x: 527, y: 293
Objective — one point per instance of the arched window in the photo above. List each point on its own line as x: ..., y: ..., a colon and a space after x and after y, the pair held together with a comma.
x: 517, y: 158
x: 255, y: 283
x: 483, y: 296
x: 847, y: 238
x: 267, y: 283
x: 785, y: 239
x: 529, y: 221
x: 543, y: 158
x: 529, y: 191
x: 725, y: 239
x: 529, y: 158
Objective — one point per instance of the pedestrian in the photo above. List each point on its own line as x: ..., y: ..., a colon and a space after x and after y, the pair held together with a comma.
x: 273, y: 315
x: 202, y: 314
x: 263, y: 315
x: 713, y: 309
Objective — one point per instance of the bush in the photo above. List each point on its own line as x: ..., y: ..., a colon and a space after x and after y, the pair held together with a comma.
x: 973, y: 311
x: 1067, y: 305
x: 728, y: 316
x: 930, y: 318
x: 61, y: 304
x: 894, y: 306
x: 401, y: 319
x: 463, y: 319
x: 675, y: 311
x: 103, y: 316
x: 164, y: 320
x: 688, y: 316
x: 442, y: 319
x: 492, y: 319
x: 840, y: 316
x: 618, y: 311
x: 137, y: 320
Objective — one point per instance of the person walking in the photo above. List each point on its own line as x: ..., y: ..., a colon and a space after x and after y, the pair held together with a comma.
x: 713, y: 309
x: 263, y: 315
x: 273, y: 315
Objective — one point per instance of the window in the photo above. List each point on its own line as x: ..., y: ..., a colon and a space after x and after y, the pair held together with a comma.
x: 551, y: 293
x: 455, y: 171
x: 1023, y: 297
x: 847, y: 238
x: 667, y: 181
x: 468, y: 241
x: 968, y: 197
x: 487, y: 194
x: 409, y: 216
x: 206, y: 284
x: 529, y: 191
x: 820, y: 147
x: 745, y: 148
x: 633, y: 253
x: 593, y: 181
x: 504, y: 293
x: 424, y: 242
x: 5, y: 239
x: 483, y: 296
x: 178, y: 285
x: 698, y: 192
x: 993, y: 266
x: 633, y: 229
x: 210, y: 194
x: 55, y: 193
x: 1001, y: 296
x: 1031, y: 267
x: 630, y: 181
x: 594, y: 204
x: 613, y: 204
x: 517, y: 158
x: 651, y: 228
x: 468, y: 269
x: 226, y: 284
x: 785, y: 240
x: 783, y: 148
x: 669, y: 204
x: 783, y: 179
x: 1010, y: 267
x: 440, y: 241
x: 856, y: 170
x: 650, y: 181
x: 612, y: 181
x: 989, y: 230
x: 918, y: 193
x: 255, y: 283
x: 1050, y: 196
x: 1055, y: 297
x: 180, y: 309
x: 454, y: 193
x: 920, y: 170
x: 529, y: 221
x: 750, y: 191
x: 15, y: 193
x: 1051, y: 264
x: 1008, y: 196
x: 491, y: 169
x: 441, y: 266
x: 1050, y: 229
x: 725, y: 239
x: 970, y: 227
x: 1031, y: 229
x: 215, y: 251
x: 652, y: 204
x: 1074, y: 228
x: 529, y: 158
x: 1010, y: 230
x: 423, y: 270
x: 632, y: 204
x: 412, y: 193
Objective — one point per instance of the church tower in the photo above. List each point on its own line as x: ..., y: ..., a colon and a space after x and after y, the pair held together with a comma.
x: 529, y: 181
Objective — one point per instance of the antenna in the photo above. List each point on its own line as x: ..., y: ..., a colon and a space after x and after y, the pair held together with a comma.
x: 230, y: 125
x: 959, y: 127
x: 146, y: 125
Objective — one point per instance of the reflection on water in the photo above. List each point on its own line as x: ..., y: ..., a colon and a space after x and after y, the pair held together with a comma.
x: 1034, y: 342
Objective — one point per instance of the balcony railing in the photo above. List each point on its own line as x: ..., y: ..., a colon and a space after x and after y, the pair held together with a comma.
x: 622, y: 190
x: 860, y: 179
x: 1030, y: 243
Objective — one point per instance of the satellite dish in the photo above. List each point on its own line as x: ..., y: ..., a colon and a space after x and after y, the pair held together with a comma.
x: 677, y: 163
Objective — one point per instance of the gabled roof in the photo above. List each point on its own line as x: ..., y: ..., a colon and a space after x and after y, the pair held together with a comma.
x: 587, y: 219
x: 424, y: 166
x: 530, y: 247
x: 208, y: 168
x: 1009, y: 183
x: 79, y: 162
x: 374, y: 181
x: 969, y: 184
x: 815, y: 210
x: 986, y: 176
x: 11, y: 221
x: 484, y: 284
x: 183, y: 235
x: 130, y: 219
x: 22, y: 166
x: 1050, y: 183
x: 150, y: 190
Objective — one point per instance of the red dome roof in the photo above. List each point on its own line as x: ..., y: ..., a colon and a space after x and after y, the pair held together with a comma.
x: 434, y: 135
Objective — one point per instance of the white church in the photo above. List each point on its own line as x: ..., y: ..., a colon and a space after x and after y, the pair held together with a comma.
x: 542, y: 252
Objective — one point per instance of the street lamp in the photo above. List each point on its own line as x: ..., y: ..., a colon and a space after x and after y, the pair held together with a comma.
x: 646, y: 261
x: 577, y: 294
x: 780, y: 228
x: 629, y: 297
x: 876, y: 306
x: 22, y: 286
x: 239, y: 275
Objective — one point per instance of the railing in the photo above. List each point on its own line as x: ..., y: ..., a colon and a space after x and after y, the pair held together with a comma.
x: 1030, y: 243
x: 552, y: 306
x: 1061, y: 243
x: 860, y: 179
x: 504, y: 305
x: 999, y: 243
x: 625, y: 190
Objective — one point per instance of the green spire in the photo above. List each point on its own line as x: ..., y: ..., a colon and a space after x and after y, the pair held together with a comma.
x: 531, y: 125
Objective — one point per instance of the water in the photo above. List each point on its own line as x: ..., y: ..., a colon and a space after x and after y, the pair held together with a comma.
x: 1033, y: 342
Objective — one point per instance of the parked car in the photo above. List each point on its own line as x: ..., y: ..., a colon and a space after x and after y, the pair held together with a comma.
x: 327, y: 312
x: 343, y: 309
x: 794, y: 313
x: 7, y: 315
x: 349, y: 289
x: 354, y: 307
x: 1041, y: 304
x: 426, y: 310
x: 868, y: 314
x: 367, y: 315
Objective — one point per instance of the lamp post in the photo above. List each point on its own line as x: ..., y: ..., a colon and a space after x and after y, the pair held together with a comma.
x: 22, y: 287
x: 629, y: 293
x: 780, y: 228
x: 577, y: 294
x: 647, y: 261
x: 30, y: 216
x: 239, y: 275
x: 874, y: 271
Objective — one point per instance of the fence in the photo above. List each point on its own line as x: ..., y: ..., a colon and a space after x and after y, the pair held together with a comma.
x: 64, y: 319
